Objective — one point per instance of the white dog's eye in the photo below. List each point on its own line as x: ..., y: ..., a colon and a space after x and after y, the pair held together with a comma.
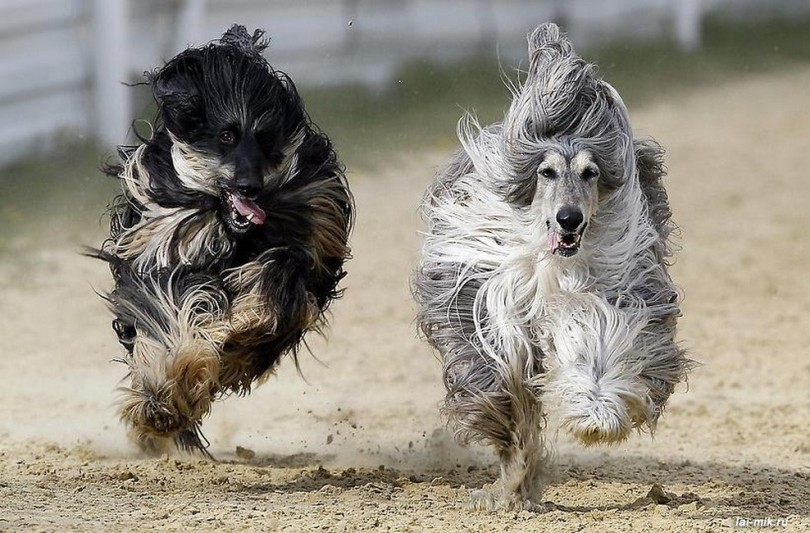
x: 590, y: 173
x: 548, y: 172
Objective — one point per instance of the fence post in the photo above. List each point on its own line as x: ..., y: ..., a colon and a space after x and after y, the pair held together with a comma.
x: 113, y: 112
x: 190, y: 24
x: 688, y: 21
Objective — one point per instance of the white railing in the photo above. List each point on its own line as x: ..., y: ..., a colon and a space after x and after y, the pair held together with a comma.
x: 62, y: 62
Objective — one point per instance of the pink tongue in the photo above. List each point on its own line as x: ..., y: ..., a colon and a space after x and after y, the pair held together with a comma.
x: 553, y: 241
x: 247, y: 207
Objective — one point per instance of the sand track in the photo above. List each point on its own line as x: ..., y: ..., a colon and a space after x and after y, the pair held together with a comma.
x: 359, y: 445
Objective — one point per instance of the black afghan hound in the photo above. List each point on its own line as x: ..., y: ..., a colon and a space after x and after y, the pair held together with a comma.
x: 229, y: 240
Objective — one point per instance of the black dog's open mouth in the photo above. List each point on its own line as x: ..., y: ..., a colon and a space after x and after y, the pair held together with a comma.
x: 240, y: 212
x: 564, y: 244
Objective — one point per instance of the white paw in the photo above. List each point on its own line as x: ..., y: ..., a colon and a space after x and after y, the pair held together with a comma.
x: 483, y: 500
x: 489, y: 501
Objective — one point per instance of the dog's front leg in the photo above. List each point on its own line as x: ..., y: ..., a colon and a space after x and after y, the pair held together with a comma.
x: 514, y: 426
x: 272, y: 306
x: 175, y: 377
x: 595, y: 376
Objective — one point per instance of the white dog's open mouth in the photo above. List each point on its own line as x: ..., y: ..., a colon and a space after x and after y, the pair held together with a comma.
x: 564, y: 244
x: 241, y: 212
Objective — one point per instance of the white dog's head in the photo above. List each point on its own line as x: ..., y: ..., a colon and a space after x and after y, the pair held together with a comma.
x: 568, y: 142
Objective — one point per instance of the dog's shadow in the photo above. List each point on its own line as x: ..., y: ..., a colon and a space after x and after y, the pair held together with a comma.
x: 730, y: 490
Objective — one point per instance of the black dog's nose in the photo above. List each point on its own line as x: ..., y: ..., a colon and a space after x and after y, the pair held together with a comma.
x: 569, y: 218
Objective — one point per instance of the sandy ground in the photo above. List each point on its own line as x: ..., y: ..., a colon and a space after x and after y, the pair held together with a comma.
x: 359, y: 445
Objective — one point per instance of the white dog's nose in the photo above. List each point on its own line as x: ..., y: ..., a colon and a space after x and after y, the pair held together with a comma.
x: 569, y: 217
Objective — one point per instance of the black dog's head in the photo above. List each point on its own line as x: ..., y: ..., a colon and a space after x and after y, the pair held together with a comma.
x: 234, y: 123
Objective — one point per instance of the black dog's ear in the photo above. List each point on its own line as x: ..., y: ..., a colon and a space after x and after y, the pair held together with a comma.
x: 176, y: 90
x: 180, y: 75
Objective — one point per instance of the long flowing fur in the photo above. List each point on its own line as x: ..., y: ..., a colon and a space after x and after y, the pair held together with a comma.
x: 228, y: 241
x: 524, y: 331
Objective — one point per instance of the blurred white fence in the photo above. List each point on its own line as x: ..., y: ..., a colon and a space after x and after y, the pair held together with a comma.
x: 45, y: 72
x: 62, y: 62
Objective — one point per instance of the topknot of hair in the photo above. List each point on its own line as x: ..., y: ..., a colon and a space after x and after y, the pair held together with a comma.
x: 238, y: 37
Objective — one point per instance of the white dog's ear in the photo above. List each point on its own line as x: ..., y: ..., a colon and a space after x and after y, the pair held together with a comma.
x: 649, y: 159
x: 622, y: 138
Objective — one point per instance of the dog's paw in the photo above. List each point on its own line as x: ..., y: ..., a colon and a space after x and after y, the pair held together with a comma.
x: 601, y: 423
x: 151, y: 445
x: 483, y: 500
x: 494, y: 500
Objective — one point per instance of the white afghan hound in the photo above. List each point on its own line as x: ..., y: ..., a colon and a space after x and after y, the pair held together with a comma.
x: 544, y: 280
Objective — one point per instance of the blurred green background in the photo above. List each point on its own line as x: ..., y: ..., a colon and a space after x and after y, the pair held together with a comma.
x: 59, y: 196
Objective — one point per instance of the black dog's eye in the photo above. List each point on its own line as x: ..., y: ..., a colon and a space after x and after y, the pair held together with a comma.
x: 265, y: 138
x: 548, y: 173
x: 589, y: 173
x: 227, y: 138
x: 270, y: 146
x: 126, y: 333
x: 123, y: 330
